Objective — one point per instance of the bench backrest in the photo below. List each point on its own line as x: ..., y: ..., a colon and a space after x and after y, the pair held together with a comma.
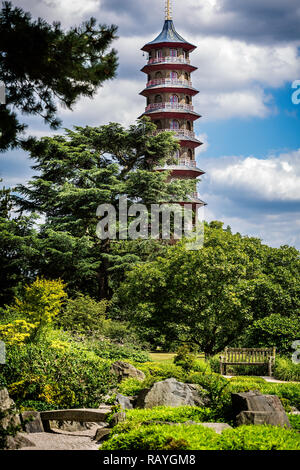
x: 248, y: 355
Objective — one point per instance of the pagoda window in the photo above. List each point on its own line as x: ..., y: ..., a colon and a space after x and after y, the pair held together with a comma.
x: 158, y: 99
x: 173, y: 52
x: 190, y: 154
x: 186, y: 76
x: 174, y: 99
x: 188, y: 126
x: 174, y: 75
x: 174, y: 124
x: 187, y: 100
x: 158, y: 124
x: 159, y: 54
x: 158, y: 75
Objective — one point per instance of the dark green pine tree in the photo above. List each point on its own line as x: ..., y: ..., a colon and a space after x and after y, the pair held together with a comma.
x: 19, y: 248
x: 43, y: 66
x: 78, y: 172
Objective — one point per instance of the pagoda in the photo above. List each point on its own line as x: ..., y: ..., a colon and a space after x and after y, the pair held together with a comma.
x: 169, y: 93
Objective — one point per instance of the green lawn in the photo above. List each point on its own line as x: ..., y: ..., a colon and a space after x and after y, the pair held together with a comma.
x: 167, y: 358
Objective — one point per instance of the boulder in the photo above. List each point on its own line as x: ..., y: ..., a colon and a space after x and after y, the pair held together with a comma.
x: 18, y: 442
x: 31, y: 421
x: 255, y: 408
x: 70, y: 426
x: 126, y: 403
x: 170, y: 392
x: 117, y: 418
x: 8, y: 407
x: 102, y: 434
x: 274, y: 418
x: 123, y: 370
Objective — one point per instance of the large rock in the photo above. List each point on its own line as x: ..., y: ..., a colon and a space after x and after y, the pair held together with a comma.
x: 11, y: 418
x: 102, y: 434
x: 7, y: 406
x: 126, y: 403
x: 31, y: 421
x: 124, y: 370
x: 170, y: 392
x: 254, y: 408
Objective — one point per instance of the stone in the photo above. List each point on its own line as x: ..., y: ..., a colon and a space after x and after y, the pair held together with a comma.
x: 18, y: 442
x: 217, y: 427
x: 70, y: 426
x: 124, y: 370
x: 274, y: 418
x: 126, y: 403
x: 102, y: 434
x: 7, y: 406
x: 170, y: 392
x: 117, y: 418
x: 31, y: 421
x: 250, y: 407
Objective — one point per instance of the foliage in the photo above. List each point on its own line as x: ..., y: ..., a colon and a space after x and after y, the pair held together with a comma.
x: 83, y: 314
x: 163, y: 437
x: 17, y: 332
x: 195, y: 437
x: 274, y: 330
x: 68, y: 379
x: 107, y: 349
x: 285, y: 369
x: 184, y: 358
x: 40, y: 303
x: 130, y: 387
x: 168, y: 414
x: 294, y: 421
x: 42, y: 65
x: 259, y: 438
x: 235, y: 281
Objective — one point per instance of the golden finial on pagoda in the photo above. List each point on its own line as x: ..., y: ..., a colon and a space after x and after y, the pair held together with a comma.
x: 168, y: 9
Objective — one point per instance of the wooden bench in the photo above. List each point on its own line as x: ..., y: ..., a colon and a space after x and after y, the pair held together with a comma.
x: 247, y: 356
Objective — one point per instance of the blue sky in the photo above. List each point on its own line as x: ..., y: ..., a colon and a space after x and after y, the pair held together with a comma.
x: 247, y: 57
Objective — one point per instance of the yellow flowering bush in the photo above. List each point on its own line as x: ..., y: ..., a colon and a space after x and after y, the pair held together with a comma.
x: 42, y: 300
x: 53, y: 395
x: 17, y: 332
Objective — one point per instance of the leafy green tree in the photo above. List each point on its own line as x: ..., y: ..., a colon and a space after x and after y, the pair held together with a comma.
x: 210, y: 296
x: 41, y: 65
x: 274, y: 330
x: 78, y: 172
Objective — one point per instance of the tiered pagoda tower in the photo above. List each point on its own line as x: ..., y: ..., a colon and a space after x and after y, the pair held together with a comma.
x: 169, y: 93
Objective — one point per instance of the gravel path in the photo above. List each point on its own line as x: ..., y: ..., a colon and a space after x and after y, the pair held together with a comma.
x: 63, y: 440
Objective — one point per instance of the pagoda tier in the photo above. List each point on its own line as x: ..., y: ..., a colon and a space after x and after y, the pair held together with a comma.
x: 169, y: 93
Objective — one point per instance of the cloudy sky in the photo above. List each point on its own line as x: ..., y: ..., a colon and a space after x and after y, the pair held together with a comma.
x: 248, y: 56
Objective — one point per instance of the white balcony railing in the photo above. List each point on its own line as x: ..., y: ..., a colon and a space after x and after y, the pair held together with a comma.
x: 169, y: 59
x: 187, y: 162
x: 179, y: 132
x: 180, y: 106
x: 169, y: 81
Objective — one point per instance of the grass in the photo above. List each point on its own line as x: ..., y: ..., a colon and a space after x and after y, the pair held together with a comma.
x: 167, y: 358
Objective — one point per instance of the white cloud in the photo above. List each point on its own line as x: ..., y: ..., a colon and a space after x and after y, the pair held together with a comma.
x: 271, y: 179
